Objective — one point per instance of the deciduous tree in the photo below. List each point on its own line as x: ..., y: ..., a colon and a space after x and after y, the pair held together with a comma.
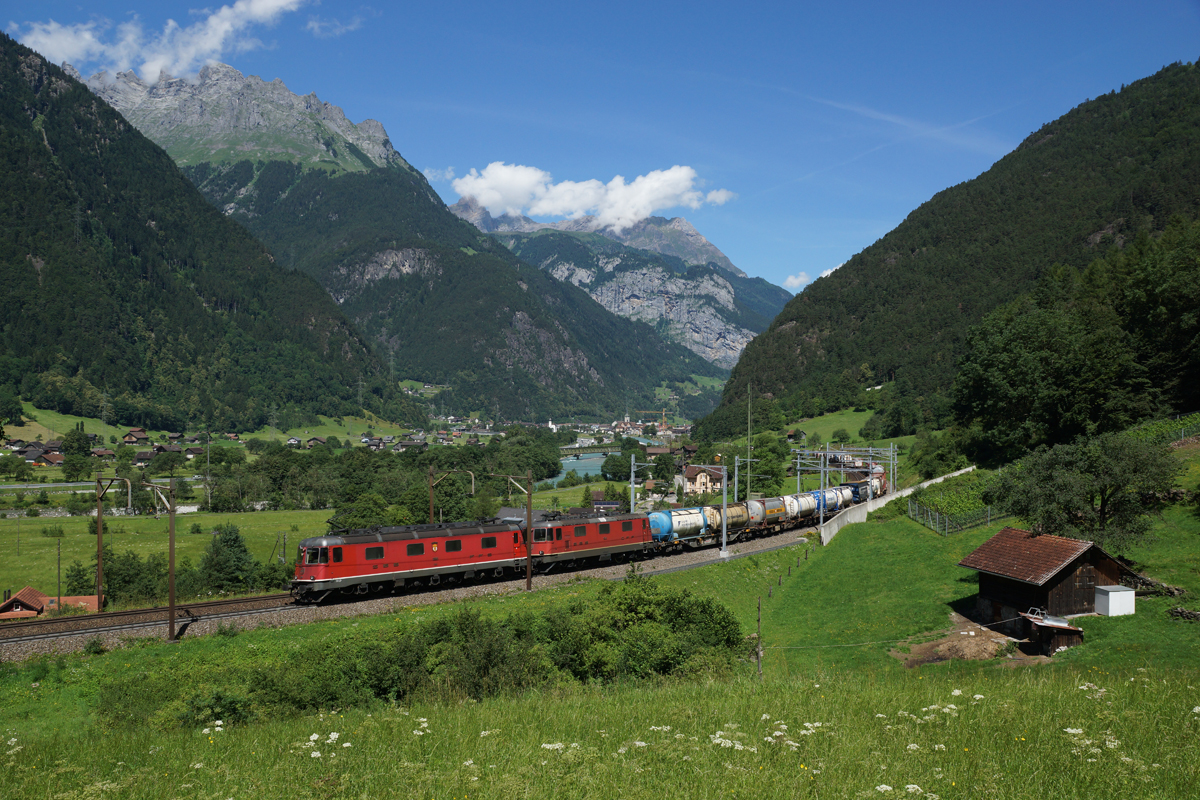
x: 1103, y: 489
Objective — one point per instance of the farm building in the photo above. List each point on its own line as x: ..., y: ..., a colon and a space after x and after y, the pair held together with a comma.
x: 1019, y: 571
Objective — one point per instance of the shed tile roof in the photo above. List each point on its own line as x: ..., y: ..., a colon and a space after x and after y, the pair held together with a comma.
x: 28, y: 598
x: 1017, y: 554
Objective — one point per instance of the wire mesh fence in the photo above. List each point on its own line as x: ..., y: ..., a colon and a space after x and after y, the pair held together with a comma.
x: 947, y: 524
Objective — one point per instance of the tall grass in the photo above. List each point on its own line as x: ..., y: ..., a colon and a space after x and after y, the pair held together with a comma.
x: 826, y: 734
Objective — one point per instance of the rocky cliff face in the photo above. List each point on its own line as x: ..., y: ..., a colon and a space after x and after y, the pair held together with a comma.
x: 227, y: 117
x: 671, y: 237
x: 697, y: 307
x: 693, y: 313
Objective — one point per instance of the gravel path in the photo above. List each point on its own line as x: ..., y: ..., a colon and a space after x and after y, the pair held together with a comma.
x: 298, y: 615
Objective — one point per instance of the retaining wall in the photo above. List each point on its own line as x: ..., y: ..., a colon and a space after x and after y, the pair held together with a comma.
x: 859, y: 512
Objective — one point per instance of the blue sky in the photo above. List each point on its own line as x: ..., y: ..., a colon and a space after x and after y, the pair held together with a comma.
x: 800, y: 132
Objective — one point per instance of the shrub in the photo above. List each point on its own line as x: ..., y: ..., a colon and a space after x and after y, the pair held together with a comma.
x: 94, y: 646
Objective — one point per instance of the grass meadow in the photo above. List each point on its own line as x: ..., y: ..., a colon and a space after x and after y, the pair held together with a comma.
x: 835, y: 716
x: 37, y: 564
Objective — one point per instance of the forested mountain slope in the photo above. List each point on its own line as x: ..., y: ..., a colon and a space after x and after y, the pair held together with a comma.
x: 127, y: 296
x: 444, y: 301
x: 1115, y: 166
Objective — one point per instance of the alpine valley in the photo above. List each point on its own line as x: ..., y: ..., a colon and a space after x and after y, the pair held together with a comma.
x: 129, y: 298
x: 334, y: 200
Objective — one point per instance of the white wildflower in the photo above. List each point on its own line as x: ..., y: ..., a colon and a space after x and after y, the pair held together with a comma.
x: 418, y: 732
x: 470, y: 762
x: 912, y: 788
x: 345, y: 744
x: 218, y: 722
x: 663, y: 728
x: 914, y: 747
x: 955, y: 693
x: 314, y: 737
x: 939, y: 747
x: 1073, y: 731
x: 315, y: 754
x: 883, y: 787
x: 881, y: 716
x: 197, y: 765
x: 13, y: 740
x: 978, y: 697
x: 1196, y: 710
x: 620, y: 749
x: 488, y: 733
x: 639, y: 744
x: 206, y: 730
x: 553, y: 746
x: 764, y: 717
x: 333, y: 737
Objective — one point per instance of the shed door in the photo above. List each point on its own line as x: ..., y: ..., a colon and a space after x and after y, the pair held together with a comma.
x: 1084, y: 596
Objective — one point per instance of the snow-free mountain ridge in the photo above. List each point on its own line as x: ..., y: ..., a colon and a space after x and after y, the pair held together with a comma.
x: 225, y: 116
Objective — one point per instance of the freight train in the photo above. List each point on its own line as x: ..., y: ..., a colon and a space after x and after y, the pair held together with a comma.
x: 378, y: 559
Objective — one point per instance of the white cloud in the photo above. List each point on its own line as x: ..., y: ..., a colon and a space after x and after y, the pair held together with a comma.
x: 433, y: 174
x: 797, y: 281
x: 326, y: 28
x: 177, y: 50
x: 719, y: 197
x: 518, y: 189
x: 829, y: 271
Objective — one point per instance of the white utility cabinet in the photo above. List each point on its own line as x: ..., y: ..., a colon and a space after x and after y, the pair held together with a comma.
x: 1114, y: 601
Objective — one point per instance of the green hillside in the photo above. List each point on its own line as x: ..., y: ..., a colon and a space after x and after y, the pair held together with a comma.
x: 1096, y: 178
x: 444, y: 302
x: 129, y: 298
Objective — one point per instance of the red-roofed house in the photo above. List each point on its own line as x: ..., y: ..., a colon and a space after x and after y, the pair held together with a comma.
x: 1019, y: 571
x: 29, y: 602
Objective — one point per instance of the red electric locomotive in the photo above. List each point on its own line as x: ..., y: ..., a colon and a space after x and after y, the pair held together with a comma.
x: 578, y: 538
x: 377, y: 559
x: 374, y: 559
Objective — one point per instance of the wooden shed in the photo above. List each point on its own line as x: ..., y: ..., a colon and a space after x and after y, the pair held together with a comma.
x: 1019, y: 571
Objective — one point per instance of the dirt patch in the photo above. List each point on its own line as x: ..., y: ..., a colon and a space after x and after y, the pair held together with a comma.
x: 966, y: 640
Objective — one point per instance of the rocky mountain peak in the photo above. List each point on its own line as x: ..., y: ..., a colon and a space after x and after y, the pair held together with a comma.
x: 673, y: 237
x: 224, y: 116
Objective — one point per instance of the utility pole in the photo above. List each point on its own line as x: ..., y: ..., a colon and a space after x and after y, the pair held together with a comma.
x: 633, y: 465
x: 99, y: 545
x: 528, y: 490
x: 169, y: 501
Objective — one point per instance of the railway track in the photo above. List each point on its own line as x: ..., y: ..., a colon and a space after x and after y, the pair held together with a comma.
x: 16, y: 637
x: 185, y: 614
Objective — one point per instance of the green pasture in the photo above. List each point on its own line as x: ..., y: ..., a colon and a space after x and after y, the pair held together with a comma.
x: 835, y: 716
x: 36, y: 565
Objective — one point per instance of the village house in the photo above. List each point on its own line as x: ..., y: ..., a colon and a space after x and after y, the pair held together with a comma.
x: 314, y: 441
x: 701, y: 480
x: 136, y: 436
x: 29, y: 602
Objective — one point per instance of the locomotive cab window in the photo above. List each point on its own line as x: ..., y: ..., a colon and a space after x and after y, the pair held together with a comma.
x: 604, y: 528
x: 416, y: 550
x: 337, y: 555
x: 558, y: 534
x: 373, y: 553
x: 317, y: 555
x: 488, y: 542
x: 539, y: 534
x: 453, y: 546
x: 627, y: 525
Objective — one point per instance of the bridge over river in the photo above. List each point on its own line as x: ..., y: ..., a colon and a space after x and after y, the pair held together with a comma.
x: 606, y: 449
